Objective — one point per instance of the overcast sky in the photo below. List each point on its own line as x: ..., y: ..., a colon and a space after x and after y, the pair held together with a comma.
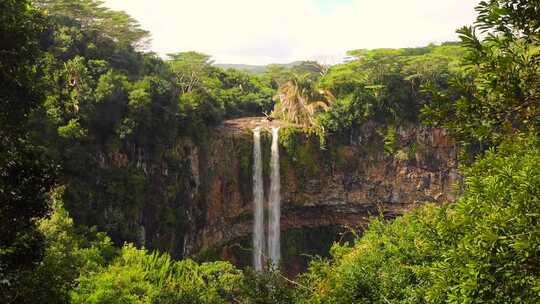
x: 280, y: 31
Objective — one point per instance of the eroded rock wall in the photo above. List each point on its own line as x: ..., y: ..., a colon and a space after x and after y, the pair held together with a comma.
x: 196, y: 195
x: 343, y: 184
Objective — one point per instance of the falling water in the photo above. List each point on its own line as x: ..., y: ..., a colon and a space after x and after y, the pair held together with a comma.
x: 274, y: 204
x: 258, y: 197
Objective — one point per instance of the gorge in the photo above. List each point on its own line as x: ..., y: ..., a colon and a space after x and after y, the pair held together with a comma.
x: 205, y: 197
x: 325, y: 192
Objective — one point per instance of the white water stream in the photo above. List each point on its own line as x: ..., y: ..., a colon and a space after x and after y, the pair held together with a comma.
x: 258, y: 201
x: 274, y: 202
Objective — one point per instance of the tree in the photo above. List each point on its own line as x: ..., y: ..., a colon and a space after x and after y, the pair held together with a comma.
x: 209, y: 94
x: 25, y: 176
x: 275, y: 75
x: 189, y: 69
x: 91, y: 16
x: 298, y: 101
x: 498, y: 93
x: 385, y: 85
x: 69, y: 253
x: 310, y: 69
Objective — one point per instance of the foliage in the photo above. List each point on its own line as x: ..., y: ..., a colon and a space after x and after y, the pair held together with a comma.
x: 482, y: 249
x: 69, y: 252
x: 269, y: 287
x: 275, y: 75
x: 299, y: 101
x: 498, y: 93
x: 137, y: 276
x: 25, y: 174
x: 390, y: 140
x: 82, y: 266
x: 91, y: 16
x: 385, y: 85
x: 210, y: 94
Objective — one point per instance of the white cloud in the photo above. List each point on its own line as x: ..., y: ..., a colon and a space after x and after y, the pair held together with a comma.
x: 260, y: 32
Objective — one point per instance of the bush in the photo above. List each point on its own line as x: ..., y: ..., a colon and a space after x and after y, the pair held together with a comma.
x: 137, y: 276
x: 69, y: 252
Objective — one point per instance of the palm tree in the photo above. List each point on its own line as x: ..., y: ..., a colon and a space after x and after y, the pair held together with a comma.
x: 297, y: 101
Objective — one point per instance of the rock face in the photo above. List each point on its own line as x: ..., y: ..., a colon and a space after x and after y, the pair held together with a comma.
x: 341, y: 185
x: 194, y: 197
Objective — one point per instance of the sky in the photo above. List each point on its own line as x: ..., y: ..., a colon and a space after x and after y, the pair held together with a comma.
x: 282, y: 31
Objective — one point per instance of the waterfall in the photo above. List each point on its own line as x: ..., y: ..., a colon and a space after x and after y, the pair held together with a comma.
x: 274, y: 202
x: 258, y: 197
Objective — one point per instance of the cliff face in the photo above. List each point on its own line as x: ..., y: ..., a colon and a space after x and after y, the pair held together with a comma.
x: 379, y: 171
x: 194, y: 198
